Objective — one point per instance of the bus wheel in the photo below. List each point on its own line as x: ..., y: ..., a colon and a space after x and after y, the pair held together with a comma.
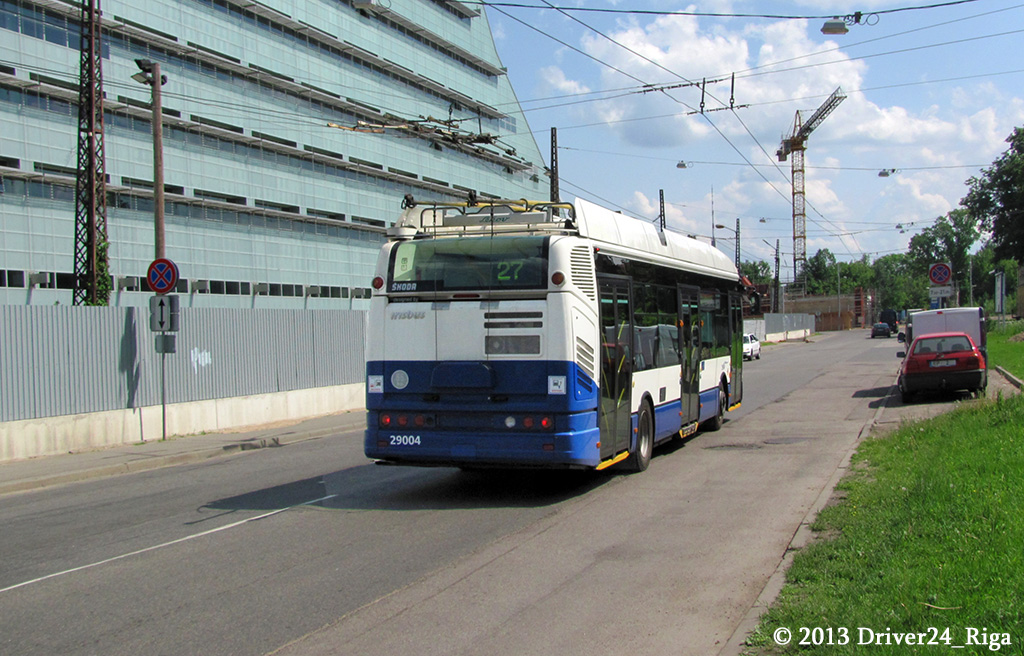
x: 641, y: 457
x: 716, y: 422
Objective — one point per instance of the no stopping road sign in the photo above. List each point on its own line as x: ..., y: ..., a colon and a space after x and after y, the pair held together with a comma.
x: 162, y: 276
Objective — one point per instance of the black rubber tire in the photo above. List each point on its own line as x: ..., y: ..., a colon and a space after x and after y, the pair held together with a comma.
x: 640, y: 459
x: 716, y: 422
x: 905, y: 396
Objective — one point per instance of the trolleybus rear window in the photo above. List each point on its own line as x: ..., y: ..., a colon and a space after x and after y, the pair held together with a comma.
x: 472, y: 263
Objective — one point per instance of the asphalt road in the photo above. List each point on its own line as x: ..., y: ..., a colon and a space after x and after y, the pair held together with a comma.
x: 310, y: 549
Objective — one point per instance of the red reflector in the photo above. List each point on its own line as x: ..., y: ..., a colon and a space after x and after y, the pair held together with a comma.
x: 549, y: 447
x: 546, y: 422
x: 528, y: 422
x: 557, y: 278
x: 403, y: 420
x: 382, y: 444
x: 378, y: 282
x: 419, y: 421
x: 385, y: 420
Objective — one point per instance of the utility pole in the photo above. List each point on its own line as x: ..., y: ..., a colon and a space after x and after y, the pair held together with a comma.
x: 775, y: 297
x: 661, y: 216
x: 737, y: 243
x: 554, y: 165
x: 713, y: 216
x: 92, y: 274
x: 839, y: 300
x: 149, y: 73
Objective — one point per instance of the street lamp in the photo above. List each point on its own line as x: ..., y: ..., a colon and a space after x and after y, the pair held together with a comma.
x: 839, y: 26
x: 737, y: 233
x: 149, y: 73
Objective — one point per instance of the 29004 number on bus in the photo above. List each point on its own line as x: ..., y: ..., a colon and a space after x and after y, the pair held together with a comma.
x: 405, y: 440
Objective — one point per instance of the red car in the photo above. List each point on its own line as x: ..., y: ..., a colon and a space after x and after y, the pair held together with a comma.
x: 942, y: 361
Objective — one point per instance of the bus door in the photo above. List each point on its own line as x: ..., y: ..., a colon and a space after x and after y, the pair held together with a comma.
x: 689, y: 352
x: 736, y: 347
x: 616, y: 365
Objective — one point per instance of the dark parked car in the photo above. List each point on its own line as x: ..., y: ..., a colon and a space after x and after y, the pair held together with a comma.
x: 942, y: 361
x: 880, y: 329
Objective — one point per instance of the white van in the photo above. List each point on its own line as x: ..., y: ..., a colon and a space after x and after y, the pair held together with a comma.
x: 970, y: 320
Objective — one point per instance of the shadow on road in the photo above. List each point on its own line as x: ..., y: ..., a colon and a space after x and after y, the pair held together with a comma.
x: 372, y: 487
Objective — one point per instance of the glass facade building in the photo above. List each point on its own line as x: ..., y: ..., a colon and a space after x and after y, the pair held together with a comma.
x: 291, y: 132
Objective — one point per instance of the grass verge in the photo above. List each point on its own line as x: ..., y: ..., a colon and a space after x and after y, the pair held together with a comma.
x: 930, y: 535
x: 1007, y: 354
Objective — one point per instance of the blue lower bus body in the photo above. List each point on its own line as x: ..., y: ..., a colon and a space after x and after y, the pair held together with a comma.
x: 473, y: 414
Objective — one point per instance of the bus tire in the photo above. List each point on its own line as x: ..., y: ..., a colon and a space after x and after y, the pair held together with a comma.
x: 640, y: 459
x: 716, y: 422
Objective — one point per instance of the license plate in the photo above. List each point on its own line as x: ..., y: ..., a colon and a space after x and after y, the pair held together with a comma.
x: 942, y: 363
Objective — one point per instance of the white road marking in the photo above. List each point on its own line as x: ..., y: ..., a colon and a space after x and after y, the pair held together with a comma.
x: 165, y: 544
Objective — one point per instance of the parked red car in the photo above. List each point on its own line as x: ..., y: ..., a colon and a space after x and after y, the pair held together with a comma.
x: 942, y: 361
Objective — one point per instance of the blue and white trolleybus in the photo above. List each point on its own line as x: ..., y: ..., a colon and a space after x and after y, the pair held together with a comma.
x: 520, y: 334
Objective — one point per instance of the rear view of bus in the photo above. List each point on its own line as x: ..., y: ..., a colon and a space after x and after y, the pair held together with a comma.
x: 495, y: 341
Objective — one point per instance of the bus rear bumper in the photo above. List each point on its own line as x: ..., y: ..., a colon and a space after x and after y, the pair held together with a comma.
x: 438, y: 448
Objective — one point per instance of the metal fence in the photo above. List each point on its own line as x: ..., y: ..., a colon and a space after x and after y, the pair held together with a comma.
x: 72, y: 360
x: 775, y: 324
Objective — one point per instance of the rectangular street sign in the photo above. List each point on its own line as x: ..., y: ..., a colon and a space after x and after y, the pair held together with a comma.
x: 940, y: 291
x: 164, y: 313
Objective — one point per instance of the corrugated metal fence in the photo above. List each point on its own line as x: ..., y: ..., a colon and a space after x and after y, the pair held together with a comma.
x: 72, y: 360
x: 788, y: 323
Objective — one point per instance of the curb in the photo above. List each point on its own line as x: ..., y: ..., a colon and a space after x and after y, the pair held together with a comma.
x: 160, y: 462
x: 1013, y: 380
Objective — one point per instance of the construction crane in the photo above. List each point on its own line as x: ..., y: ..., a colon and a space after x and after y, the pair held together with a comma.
x: 796, y: 144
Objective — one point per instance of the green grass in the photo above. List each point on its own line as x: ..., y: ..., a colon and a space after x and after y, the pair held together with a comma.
x: 930, y: 534
x: 1007, y: 354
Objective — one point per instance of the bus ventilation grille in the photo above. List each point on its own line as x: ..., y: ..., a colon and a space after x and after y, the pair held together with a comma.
x: 585, y: 358
x: 583, y: 271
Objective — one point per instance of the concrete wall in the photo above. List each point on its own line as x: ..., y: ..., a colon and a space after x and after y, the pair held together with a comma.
x: 62, y: 434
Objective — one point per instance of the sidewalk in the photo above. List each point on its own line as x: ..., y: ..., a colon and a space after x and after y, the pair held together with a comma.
x: 35, y: 473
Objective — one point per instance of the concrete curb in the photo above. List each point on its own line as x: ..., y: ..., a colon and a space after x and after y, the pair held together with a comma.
x: 168, y: 460
x: 1013, y: 380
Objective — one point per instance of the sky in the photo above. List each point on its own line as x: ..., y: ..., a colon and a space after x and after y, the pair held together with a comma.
x: 932, y: 92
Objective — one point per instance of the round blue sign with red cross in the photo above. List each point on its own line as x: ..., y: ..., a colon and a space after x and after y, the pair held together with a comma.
x: 162, y: 276
x: 940, y: 274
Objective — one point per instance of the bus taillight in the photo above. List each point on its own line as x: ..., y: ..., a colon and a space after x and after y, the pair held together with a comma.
x: 378, y: 282
x: 546, y: 422
x: 403, y: 420
x: 385, y: 420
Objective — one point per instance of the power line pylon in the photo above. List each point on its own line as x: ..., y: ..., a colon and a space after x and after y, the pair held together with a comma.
x: 92, y: 277
x: 796, y: 144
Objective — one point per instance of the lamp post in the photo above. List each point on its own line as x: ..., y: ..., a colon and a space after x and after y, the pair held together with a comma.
x: 149, y: 73
x: 737, y: 233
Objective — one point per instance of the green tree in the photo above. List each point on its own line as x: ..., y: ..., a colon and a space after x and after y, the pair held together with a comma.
x: 759, y: 273
x: 996, y: 199
x: 858, y: 273
x: 897, y: 285
x: 820, y: 273
x: 948, y: 240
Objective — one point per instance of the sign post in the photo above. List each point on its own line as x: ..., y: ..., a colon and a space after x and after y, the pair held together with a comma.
x: 164, y: 320
x: 940, y: 275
